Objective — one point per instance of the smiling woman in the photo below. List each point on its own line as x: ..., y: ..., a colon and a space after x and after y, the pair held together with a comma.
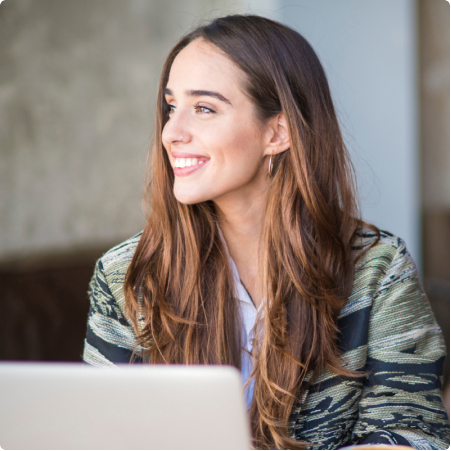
x: 254, y: 255
x: 217, y: 126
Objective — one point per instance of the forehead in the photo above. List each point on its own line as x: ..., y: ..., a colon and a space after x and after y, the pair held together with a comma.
x: 202, y: 66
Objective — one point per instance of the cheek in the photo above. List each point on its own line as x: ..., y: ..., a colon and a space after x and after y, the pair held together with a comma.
x: 244, y: 155
x: 239, y: 144
x: 236, y: 159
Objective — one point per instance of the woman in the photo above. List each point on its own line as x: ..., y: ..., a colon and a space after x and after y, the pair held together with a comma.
x: 253, y: 255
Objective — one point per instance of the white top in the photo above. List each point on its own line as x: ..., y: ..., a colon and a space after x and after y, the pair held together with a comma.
x: 248, y: 313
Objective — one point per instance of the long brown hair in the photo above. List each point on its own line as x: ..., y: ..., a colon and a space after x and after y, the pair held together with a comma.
x: 179, y: 287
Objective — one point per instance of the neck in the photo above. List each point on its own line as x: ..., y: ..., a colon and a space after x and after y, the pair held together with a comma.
x: 240, y: 219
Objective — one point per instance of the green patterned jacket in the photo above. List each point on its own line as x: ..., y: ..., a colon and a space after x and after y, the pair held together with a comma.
x: 386, y: 328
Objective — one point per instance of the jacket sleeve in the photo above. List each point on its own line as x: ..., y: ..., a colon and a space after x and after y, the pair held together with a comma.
x: 401, y: 402
x: 110, y: 338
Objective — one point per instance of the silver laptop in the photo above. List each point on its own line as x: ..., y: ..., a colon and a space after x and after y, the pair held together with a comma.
x: 76, y: 406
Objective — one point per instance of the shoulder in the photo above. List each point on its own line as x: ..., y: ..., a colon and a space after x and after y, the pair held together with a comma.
x: 110, y: 338
x: 115, y: 262
x: 385, y: 278
x: 388, y: 292
x: 378, y: 261
x: 107, y: 283
x: 388, y: 244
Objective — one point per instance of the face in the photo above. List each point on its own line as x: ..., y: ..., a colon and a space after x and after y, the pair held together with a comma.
x: 214, y: 141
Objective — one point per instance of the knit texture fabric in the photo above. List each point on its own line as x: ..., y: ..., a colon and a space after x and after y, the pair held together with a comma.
x: 387, y: 329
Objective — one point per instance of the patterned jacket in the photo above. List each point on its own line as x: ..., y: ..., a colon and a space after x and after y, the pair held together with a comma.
x: 386, y: 328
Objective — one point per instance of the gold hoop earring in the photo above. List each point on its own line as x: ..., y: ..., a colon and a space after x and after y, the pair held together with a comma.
x: 270, y: 166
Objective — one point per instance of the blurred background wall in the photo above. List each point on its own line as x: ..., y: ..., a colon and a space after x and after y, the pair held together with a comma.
x: 77, y: 91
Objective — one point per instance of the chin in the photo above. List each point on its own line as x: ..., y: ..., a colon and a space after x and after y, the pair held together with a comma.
x: 186, y: 197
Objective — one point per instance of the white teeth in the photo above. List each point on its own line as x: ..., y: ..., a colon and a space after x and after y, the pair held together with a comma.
x: 186, y: 162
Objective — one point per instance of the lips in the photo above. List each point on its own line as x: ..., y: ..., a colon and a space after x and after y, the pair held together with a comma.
x: 182, y: 172
x: 178, y: 154
x: 185, y: 163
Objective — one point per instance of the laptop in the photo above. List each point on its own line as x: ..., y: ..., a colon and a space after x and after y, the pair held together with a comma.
x: 76, y: 406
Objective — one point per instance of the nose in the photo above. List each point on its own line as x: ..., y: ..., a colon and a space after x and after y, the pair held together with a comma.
x: 176, y: 130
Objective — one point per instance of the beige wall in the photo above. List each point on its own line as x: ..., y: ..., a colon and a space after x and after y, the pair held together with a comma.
x: 434, y: 69
x: 435, y: 142
x: 77, y: 90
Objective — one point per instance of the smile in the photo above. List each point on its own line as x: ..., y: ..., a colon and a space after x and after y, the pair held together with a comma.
x: 187, y: 162
x: 186, y: 166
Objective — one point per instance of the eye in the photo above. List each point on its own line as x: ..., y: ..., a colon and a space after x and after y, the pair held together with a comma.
x: 169, y: 108
x: 203, y: 109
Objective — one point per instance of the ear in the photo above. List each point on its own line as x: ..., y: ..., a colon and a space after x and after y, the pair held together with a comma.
x: 278, y: 135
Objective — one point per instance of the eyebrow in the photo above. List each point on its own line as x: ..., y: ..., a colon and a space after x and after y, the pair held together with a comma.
x: 200, y: 92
